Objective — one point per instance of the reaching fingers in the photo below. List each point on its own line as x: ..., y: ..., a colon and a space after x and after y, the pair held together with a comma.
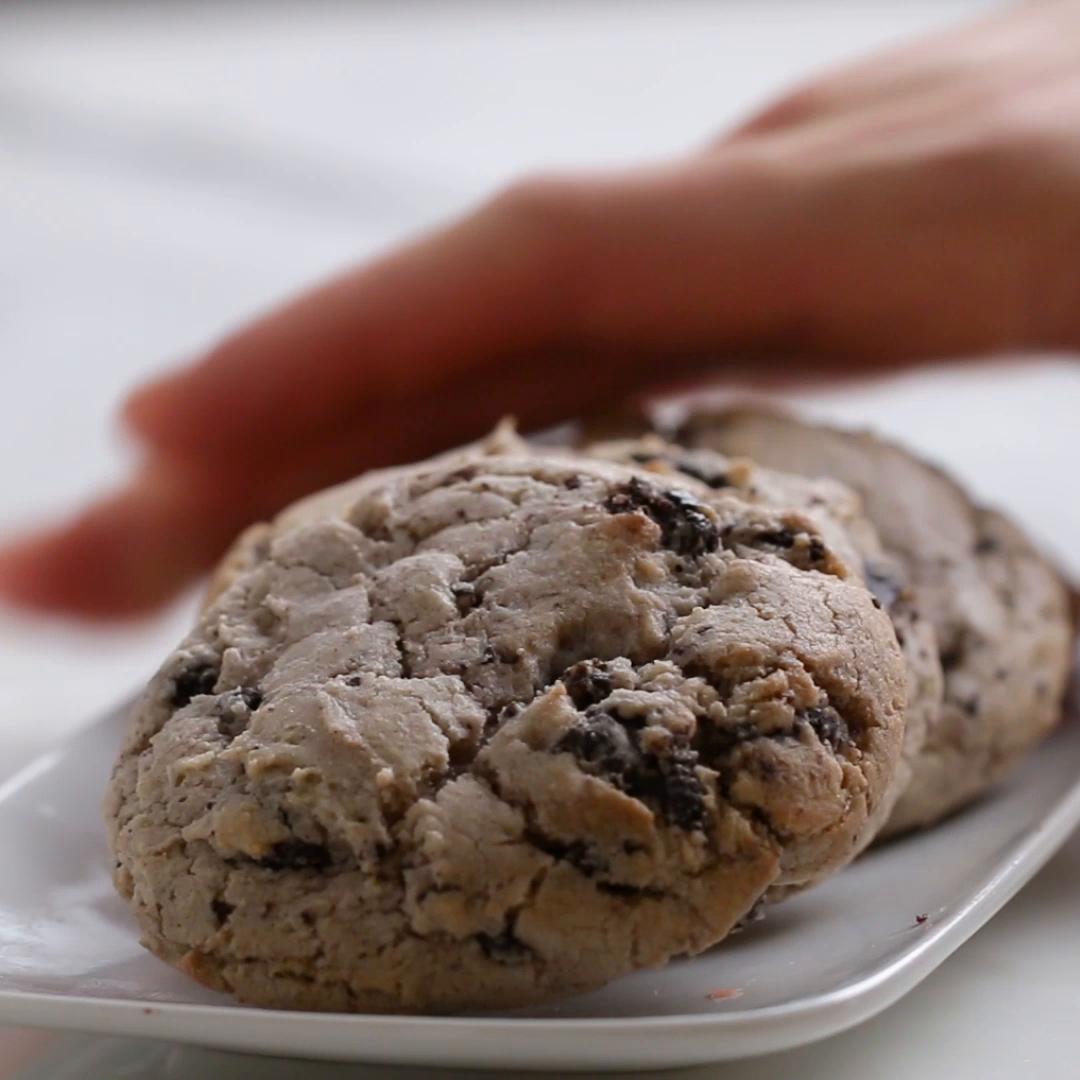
x: 368, y: 341
x: 124, y: 555
x: 656, y: 260
x: 973, y: 59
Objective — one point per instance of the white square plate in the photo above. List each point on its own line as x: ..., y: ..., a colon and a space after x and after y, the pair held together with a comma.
x: 822, y: 962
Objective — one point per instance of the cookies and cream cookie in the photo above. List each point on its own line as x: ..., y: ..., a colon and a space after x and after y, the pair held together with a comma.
x: 501, y: 727
x: 1000, y: 612
x: 838, y: 516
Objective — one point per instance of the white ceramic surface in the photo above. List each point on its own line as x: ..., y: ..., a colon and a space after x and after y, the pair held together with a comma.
x: 816, y: 965
x: 167, y: 168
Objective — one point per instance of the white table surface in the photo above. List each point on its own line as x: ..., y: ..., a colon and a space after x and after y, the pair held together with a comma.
x: 165, y: 169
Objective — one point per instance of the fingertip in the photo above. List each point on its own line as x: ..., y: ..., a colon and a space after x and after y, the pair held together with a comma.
x: 48, y: 572
x: 120, y: 557
x: 148, y: 409
x: 19, y: 572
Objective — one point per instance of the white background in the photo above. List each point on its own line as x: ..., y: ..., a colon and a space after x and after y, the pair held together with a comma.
x: 166, y: 169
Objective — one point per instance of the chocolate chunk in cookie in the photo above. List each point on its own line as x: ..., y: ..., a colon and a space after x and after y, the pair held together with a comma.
x: 686, y: 526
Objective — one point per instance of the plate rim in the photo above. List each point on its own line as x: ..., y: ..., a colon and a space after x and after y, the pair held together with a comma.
x: 761, y: 1030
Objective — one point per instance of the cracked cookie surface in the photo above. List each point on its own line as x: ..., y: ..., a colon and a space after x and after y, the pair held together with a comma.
x: 497, y: 728
x: 1000, y: 612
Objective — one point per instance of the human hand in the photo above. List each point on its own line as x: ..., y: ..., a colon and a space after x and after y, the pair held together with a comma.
x: 925, y: 202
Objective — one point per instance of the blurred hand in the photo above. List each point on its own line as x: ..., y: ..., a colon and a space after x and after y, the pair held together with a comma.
x: 922, y: 203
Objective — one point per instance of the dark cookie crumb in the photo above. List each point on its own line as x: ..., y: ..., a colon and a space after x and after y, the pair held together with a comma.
x: 755, y: 915
x: 497, y: 716
x: 781, y: 538
x: 466, y: 596
x: 713, y: 742
x: 683, y: 793
x: 461, y: 753
x: 799, y: 547
x: 503, y: 948
x: 952, y: 656
x: 629, y: 892
x: 602, y: 742
x: 577, y: 853
x: 829, y: 726
x: 608, y: 747
x: 588, y: 682
x: 193, y: 682
x: 507, y: 712
x: 615, y: 888
x: 234, y: 710
x: 251, y: 697
x: 296, y: 855
x: 685, y: 525
x: 714, y: 478
x: 882, y: 583
x: 221, y: 909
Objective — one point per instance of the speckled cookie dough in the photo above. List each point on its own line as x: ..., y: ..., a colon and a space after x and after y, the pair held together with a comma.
x: 999, y: 610
x: 499, y: 728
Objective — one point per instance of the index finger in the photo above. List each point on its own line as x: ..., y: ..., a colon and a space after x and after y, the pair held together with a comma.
x: 679, y: 259
x: 486, y: 285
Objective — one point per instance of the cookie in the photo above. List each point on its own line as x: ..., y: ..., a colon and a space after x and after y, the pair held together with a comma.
x: 500, y: 728
x: 836, y: 513
x: 250, y: 546
x: 999, y: 610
